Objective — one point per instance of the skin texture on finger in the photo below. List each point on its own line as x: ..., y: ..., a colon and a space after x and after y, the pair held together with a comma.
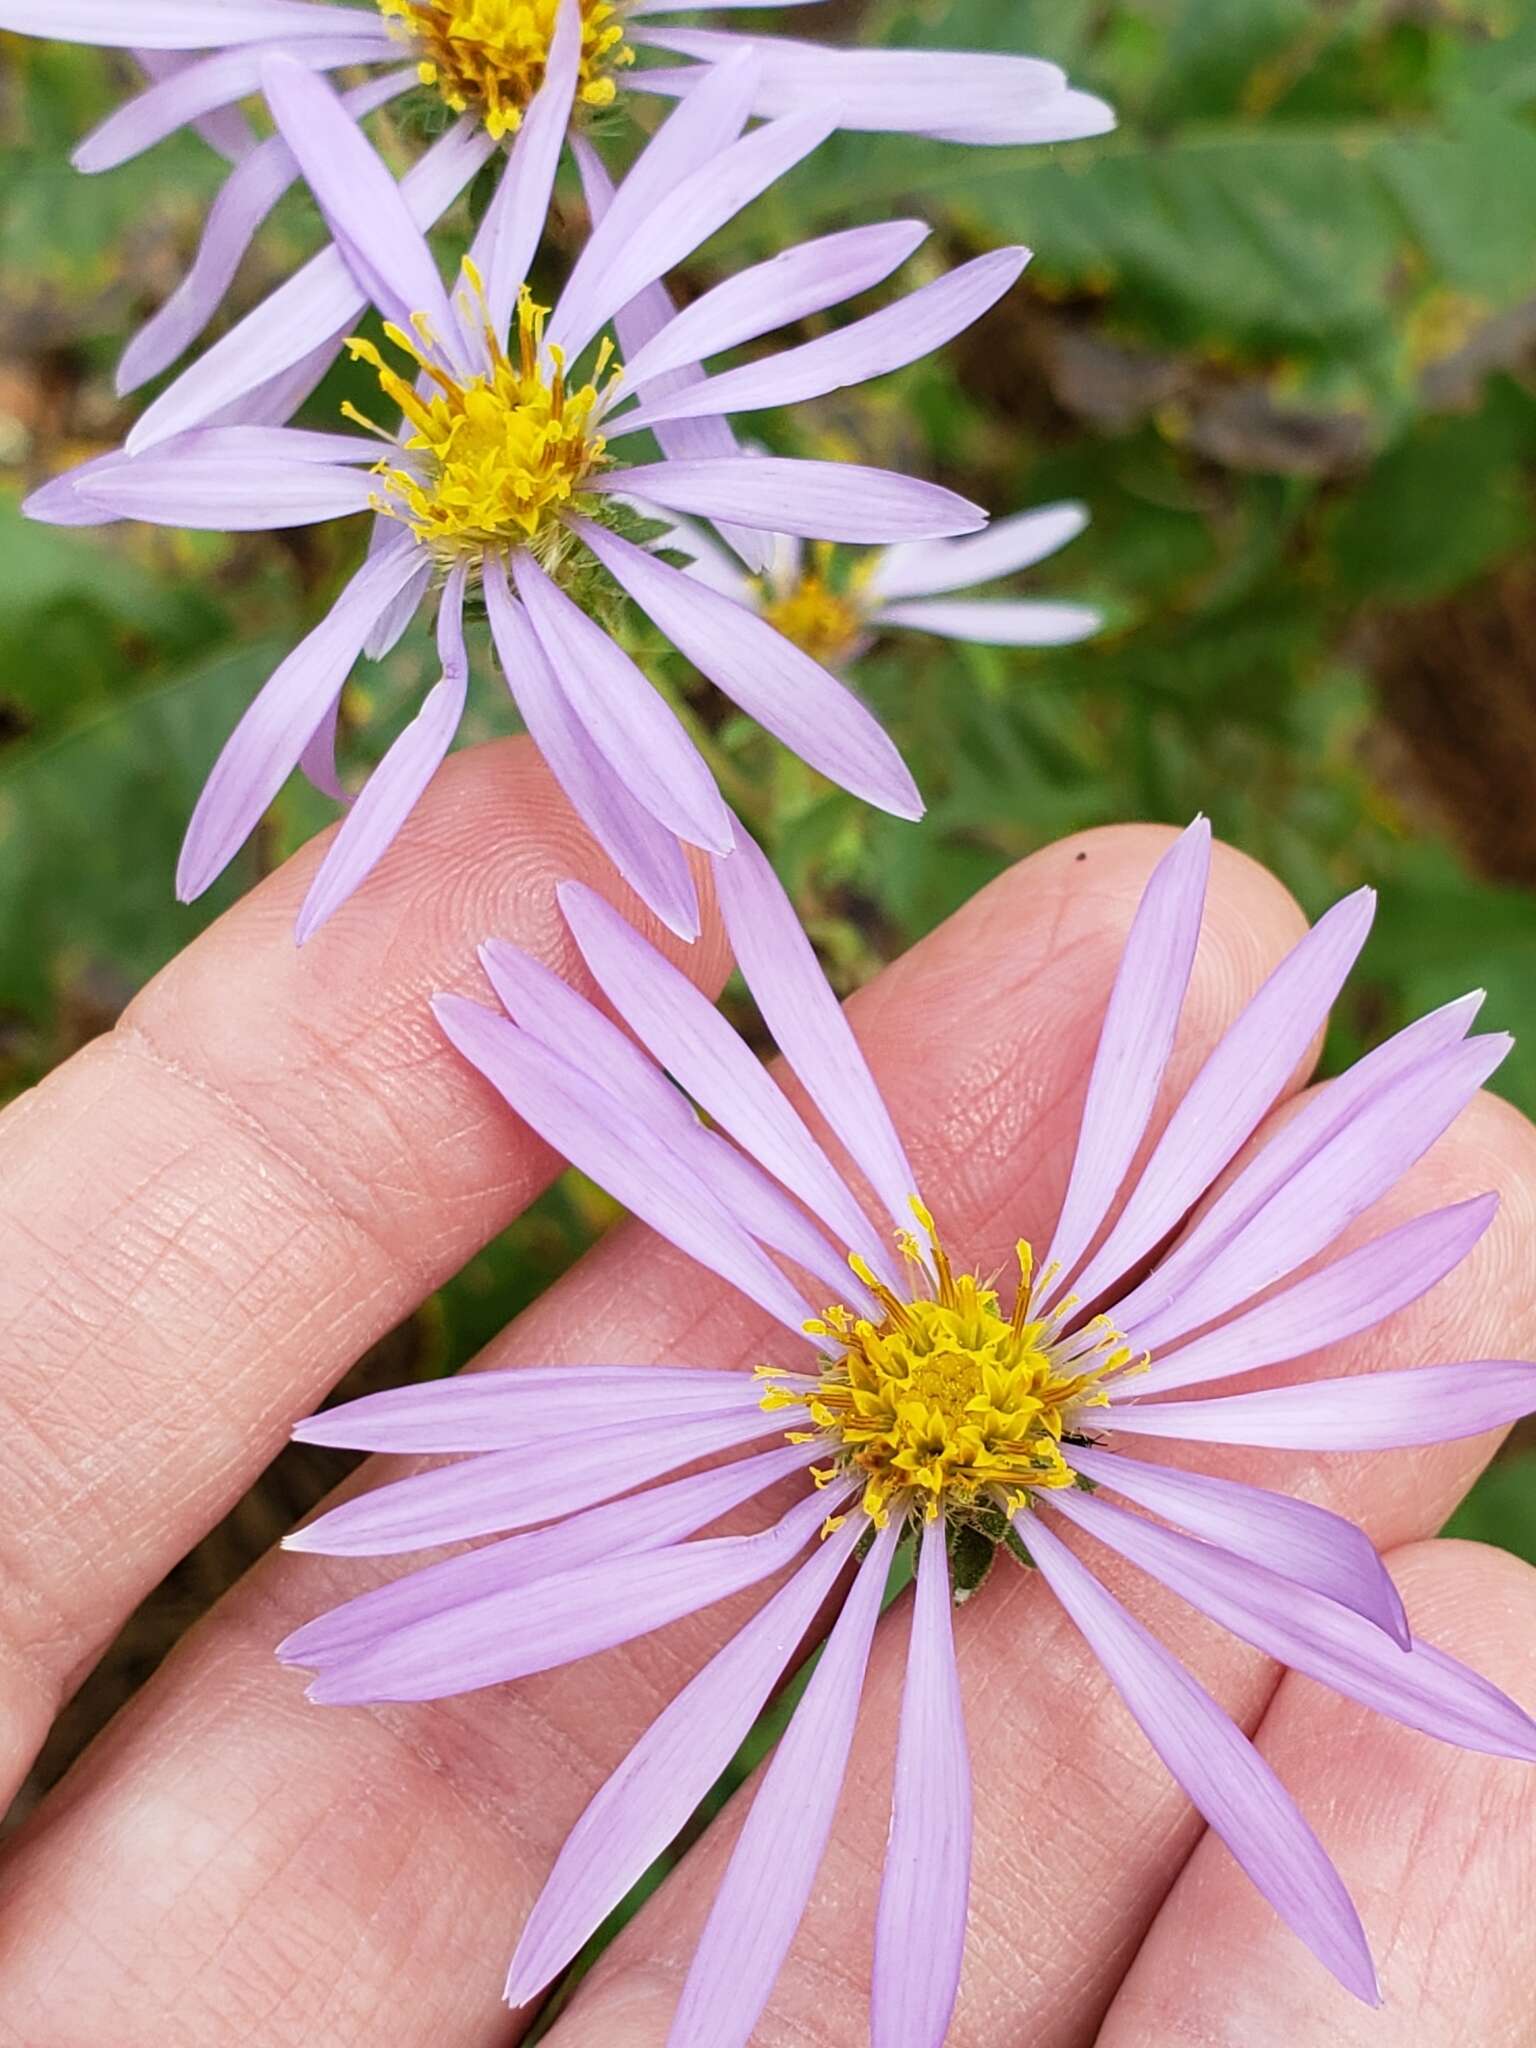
x: 214, y: 1208
x: 1079, y: 1830
x: 1441, y: 1866
x: 229, y: 1863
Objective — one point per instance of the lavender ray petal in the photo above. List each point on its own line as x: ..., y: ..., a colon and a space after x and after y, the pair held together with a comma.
x: 788, y: 694
x: 543, y: 1004
x: 888, y: 340
x: 694, y: 1043
x: 263, y: 748
x: 391, y: 791
x: 1340, y: 1182
x: 1372, y: 1411
x: 221, y: 492
x: 628, y: 721
x: 934, y: 568
x: 913, y: 92
x: 998, y: 622
x: 1296, y: 1540
x: 273, y: 401
x: 317, y: 763
x: 181, y: 24
x: 67, y: 500
x: 711, y: 563
x: 1135, y: 1043
x: 1317, y: 1120
x: 389, y: 628
x: 838, y: 501
x: 619, y: 1150
x: 1420, y: 1686
x: 695, y: 208
x: 773, y: 1866
x: 62, y: 502
x: 639, y: 323
x: 661, y: 1516
x: 255, y: 442
x: 497, y: 1411
x: 1070, y: 117
x: 508, y: 238
x: 227, y: 130
x: 647, y: 1800
x: 560, y: 1619
x: 245, y: 199
x: 697, y: 135
x: 1238, y: 1083
x: 929, y: 92
x: 645, y: 853
x: 362, y: 205
x: 1218, y: 1767
x: 1353, y: 1294
x: 198, y: 89
x: 808, y: 1023
x: 788, y: 287
x: 501, y: 1490
x: 315, y: 305
x: 920, y: 1927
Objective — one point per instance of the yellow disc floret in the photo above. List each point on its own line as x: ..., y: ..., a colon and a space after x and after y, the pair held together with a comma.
x: 490, y: 55
x: 946, y: 1406
x: 496, y: 455
x: 817, y: 618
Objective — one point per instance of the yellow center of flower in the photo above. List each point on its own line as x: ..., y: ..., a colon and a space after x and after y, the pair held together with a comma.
x: 818, y: 619
x: 946, y: 1406
x: 497, y: 455
x: 491, y: 54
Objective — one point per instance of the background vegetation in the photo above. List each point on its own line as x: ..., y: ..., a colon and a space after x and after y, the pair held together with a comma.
x: 1279, y: 335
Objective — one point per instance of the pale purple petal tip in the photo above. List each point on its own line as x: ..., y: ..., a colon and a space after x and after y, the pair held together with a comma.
x: 1372, y: 1411
x: 1218, y: 1767
x: 1294, y: 1538
x: 1303, y: 1628
x: 1135, y: 1042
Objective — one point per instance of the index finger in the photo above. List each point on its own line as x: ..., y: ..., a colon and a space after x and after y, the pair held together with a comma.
x: 221, y: 1203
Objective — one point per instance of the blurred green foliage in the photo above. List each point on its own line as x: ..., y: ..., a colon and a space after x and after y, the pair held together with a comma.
x: 1278, y: 334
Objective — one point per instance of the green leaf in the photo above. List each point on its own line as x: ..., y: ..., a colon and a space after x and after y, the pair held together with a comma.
x: 1501, y: 1508
x: 89, y: 830
x: 82, y: 621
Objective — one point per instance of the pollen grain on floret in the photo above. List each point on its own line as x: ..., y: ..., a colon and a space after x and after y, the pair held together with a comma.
x: 496, y: 456
x: 946, y: 1406
x: 489, y: 56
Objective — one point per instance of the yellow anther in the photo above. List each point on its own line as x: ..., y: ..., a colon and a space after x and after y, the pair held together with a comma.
x: 819, y: 620
x: 945, y: 1405
x: 498, y: 454
x: 491, y: 55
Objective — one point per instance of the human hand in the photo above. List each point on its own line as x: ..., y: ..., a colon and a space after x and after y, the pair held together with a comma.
x: 276, y: 1157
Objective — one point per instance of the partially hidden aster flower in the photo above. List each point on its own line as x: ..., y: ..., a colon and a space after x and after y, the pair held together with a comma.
x: 486, y: 63
x: 931, y: 1406
x: 835, y: 609
x: 502, y: 478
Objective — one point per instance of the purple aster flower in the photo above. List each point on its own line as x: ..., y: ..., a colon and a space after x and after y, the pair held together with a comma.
x: 932, y: 1406
x: 836, y: 617
x: 490, y: 63
x: 501, y: 478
